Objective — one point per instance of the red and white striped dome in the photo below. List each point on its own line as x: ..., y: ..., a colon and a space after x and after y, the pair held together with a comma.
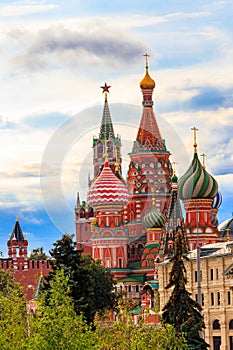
x: 107, y: 189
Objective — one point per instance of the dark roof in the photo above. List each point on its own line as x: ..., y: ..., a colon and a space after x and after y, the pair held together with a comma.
x: 208, y: 251
x: 17, y: 233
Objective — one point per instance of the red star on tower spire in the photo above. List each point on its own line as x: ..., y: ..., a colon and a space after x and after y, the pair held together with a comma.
x: 105, y: 88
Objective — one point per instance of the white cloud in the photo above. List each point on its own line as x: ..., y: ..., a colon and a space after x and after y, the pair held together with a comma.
x: 24, y: 9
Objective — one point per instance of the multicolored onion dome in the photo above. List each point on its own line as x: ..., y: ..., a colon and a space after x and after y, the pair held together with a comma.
x: 174, y: 178
x: 217, y: 201
x: 147, y: 82
x: 154, y: 219
x: 107, y: 189
x: 197, y: 182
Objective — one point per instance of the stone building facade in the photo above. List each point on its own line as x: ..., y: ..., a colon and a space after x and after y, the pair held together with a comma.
x: 216, y: 265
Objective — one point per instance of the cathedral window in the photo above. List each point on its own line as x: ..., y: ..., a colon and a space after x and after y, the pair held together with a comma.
x: 211, y: 274
x: 218, y: 298
x: 231, y: 324
x: 229, y: 302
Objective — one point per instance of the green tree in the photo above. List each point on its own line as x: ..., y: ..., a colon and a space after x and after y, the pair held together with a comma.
x: 13, y: 315
x: 38, y: 254
x: 125, y: 335
x: 56, y: 324
x: 91, y: 285
x: 181, y: 310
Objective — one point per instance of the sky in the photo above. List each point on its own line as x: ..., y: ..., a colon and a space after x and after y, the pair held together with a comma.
x: 55, y: 55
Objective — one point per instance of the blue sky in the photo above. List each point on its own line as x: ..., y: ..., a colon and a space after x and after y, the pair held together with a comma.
x: 54, y: 56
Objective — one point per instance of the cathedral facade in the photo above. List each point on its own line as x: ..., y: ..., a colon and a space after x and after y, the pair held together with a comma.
x: 130, y: 223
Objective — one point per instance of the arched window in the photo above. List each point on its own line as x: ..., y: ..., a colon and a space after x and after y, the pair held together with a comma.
x: 133, y: 251
x: 140, y: 249
x: 128, y: 251
x: 231, y: 324
x: 216, y: 325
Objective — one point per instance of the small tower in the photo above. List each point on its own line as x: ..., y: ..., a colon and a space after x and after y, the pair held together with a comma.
x: 17, y: 248
x: 196, y: 189
x: 149, y: 169
x: 154, y: 222
x: 106, y: 134
x: 108, y: 195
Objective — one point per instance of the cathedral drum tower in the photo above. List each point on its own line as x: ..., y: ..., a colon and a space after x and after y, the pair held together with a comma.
x: 150, y: 170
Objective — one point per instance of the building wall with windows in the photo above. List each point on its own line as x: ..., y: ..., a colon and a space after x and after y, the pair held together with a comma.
x: 216, y: 265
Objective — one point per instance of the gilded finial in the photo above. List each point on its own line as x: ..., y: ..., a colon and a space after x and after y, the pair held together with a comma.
x: 105, y: 91
x: 146, y: 57
x: 17, y: 218
x: 147, y: 82
x: 41, y: 272
x: 203, y: 155
x: 116, y: 163
x: 195, y: 138
x: 106, y: 150
x: 174, y: 168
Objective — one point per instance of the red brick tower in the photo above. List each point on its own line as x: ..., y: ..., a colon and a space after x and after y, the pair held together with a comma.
x: 106, y: 134
x: 17, y: 248
x: 108, y: 195
x: 150, y: 170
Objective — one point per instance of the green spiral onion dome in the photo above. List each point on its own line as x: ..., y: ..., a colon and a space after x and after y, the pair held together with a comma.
x: 197, y: 182
x: 154, y: 219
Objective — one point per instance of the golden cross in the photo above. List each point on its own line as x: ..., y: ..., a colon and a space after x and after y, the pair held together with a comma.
x: 116, y: 163
x: 106, y: 150
x: 195, y: 138
x: 146, y: 56
x: 174, y: 170
x: 203, y: 155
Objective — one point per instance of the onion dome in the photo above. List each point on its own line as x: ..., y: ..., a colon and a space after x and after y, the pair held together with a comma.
x: 197, y: 182
x: 107, y: 189
x: 147, y: 82
x: 226, y: 227
x: 217, y: 201
x: 174, y: 178
x: 154, y: 219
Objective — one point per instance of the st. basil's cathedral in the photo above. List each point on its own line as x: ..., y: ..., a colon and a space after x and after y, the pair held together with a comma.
x: 130, y: 223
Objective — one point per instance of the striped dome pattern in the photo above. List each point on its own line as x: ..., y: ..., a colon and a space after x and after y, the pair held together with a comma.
x: 154, y: 219
x: 107, y: 189
x: 217, y: 201
x: 197, y: 182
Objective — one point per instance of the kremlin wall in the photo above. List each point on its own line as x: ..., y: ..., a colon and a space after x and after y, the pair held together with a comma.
x: 130, y: 224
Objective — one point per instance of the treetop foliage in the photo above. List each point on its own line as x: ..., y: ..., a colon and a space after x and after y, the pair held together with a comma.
x: 181, y: 310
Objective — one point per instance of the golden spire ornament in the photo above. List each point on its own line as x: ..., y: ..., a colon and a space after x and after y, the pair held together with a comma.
x: 195, y: 138
x: 203, y: 155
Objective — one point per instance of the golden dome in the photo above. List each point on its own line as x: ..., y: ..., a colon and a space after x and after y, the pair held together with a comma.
x: 147, y: 82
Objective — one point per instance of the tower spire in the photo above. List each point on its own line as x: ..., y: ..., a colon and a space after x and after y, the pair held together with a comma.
x: 148, y: 136
x: 106, y: 128
x: 203, y: 155
x: 195, y: 138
